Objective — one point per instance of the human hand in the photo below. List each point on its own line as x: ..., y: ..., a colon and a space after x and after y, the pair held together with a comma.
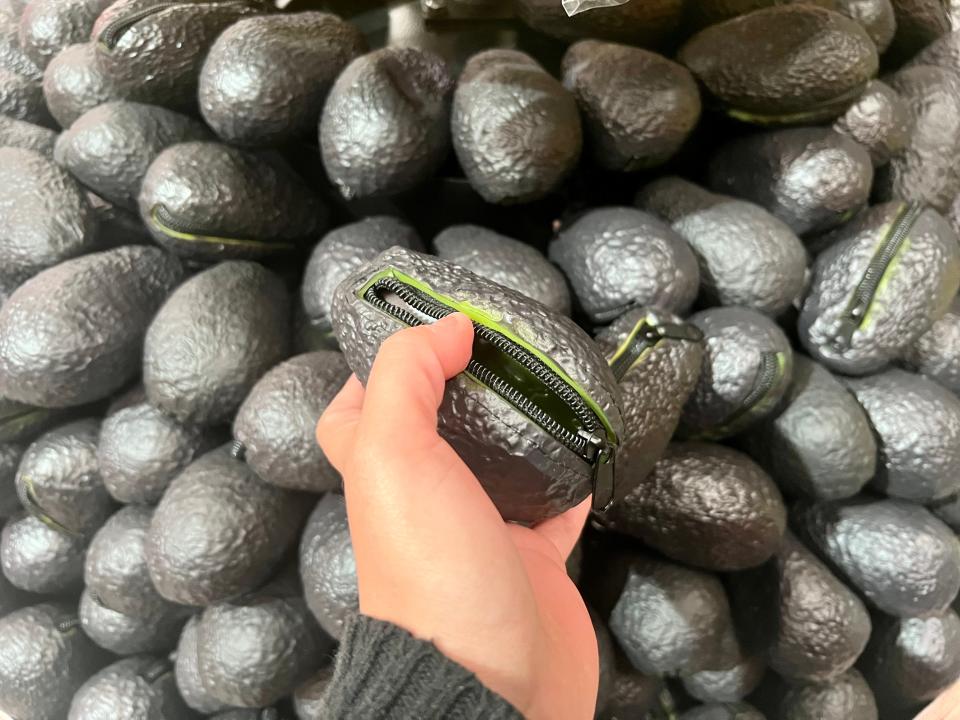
x: 433, y: 554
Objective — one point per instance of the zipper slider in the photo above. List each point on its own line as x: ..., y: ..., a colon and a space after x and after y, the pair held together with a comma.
x: 602, y: 455
x: 680, y: 331
x: 848, y: 326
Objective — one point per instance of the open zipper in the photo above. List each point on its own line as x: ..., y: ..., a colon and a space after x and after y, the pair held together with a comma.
x: 767, y: 378
x: 111, y: 35
x: 28, y: 498
x: 647, y: 334
x: 515, y: 372
x: 162, y: 219
x: 802, y: 116
x: 866, y: 290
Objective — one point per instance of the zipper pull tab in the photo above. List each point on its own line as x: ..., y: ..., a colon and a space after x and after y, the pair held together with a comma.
x: 849, y: 324
x: 602, y: 454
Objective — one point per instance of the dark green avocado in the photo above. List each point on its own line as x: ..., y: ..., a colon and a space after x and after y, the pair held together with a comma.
x: 810, y: 625
x: 923, y: 170
x: 109, y: 148
x: 723, y: 711
x: 219, y: 531
x: 277, y: 422
x: 917, y: 425
x: 131, y: 689
x: 656, y: 358
x: 265, y: 78
x: 619, y: 258
x: 516, y: 130
x: 327, y: 566
x: 638, y: 107
x: 187, y: 672
x: 747, y: 368
x: 44, y: 658
x: 812, y: 178
x: 736, y: 673
x: 152, y: 52
x: 847, y: 697
x: 74, y: 83
x: 48, y: 26
x: 936, y: 353
x: 747, y: 256
x: 821, y: 446
x: 880, y: 120
x: 770, y: 66
x: 39, y: 559
x: 27, y: 136
x: 651, y: 23
x: 155, y: 631
x: 385, y: 126
x: 12, y: 55
x: 505, y: 261
x: 919, y: 23
x: 74, y: 333
x: 142, y: 449
x: 343, y: 251
x: 913, y: 660
x: 944, y: 52
x: 308, y: 698
x: 632, y: 694
x: 291, y: 648
x: 877, y: 17
x: 21, y: 97
x: 879, y: 284
x: 209, y: 201
x: 59, y: 479
x: 213, y: 339
x: 904, y: 560
x: 705, y: 505
x: 45, y: 217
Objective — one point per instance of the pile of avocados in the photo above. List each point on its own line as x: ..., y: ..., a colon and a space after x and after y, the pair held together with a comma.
x: 711, y: 249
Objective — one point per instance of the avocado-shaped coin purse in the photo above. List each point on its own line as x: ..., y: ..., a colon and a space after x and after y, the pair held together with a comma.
x: 536, y: 413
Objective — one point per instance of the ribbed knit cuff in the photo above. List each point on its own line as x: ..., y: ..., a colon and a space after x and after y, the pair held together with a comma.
x: 382, y: 671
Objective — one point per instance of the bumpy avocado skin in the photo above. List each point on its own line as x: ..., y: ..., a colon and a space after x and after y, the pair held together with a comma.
x: 770, y: 66
x: 617, y: 258
x: 156, y: 631
x: 516, y: 130
x: 385, y: 126
x: 737, y: 339
x: 11, y: 597
x: 944, y: 52
x: 39, y: 559
x: 919, y: 23
x: 10, y: 455
x: 650, y: 24
x: 73, y: 334
x: 327, y: 566
x: 142, y: 449
x: 278, y: 420
x: 913, y: 660
x: 505, y: 261
x: 45, y: 217
x: 747, y: 257
x: 308, y: 698
x: 917, y: 424
x: 109, y: 148
x: 21, y: 97
x: 12, y: 55
x: 847, y: 697
x: 705, y: 505
x: 667, y: 618
x: 27, y: 136
x: 131, y: 689
x: 529, y: 475
x: 936, y: 353
x: 219, y: 531
x: 187, y: 672
x: 59, y: 473
x: 733, y: 676
x: 922, y: 171
x: 812, y: 178
x: 73, y: 83
x: 653, y: 393
x: 158, y: 59
x: 292, y: 648
x: 638, y: 106
x: 812, y: 627
x: 213, y: 339
x: 44, y: 658
x: 880, y: 120
x: 48, y: 26
x: 876, y: 16
x: 632, y: 693
x: 344, y: 250
x: 723, y: 711
x: 270, y: 208
x: 904, y: 560
x: 821, y: 446
x: 916, y: 290
x: 265, y: 78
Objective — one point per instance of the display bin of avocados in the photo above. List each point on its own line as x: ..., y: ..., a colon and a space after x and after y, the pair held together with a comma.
x: 709, y: 250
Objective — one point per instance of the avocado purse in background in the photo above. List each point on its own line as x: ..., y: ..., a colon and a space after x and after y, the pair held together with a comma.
x: 536, y: 414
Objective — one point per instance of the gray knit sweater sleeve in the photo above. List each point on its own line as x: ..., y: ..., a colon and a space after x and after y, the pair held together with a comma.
x: 382, y: 672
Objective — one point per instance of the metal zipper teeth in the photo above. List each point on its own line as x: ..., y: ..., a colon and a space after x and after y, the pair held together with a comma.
x: 866, y: 290
x: 575, y: 442
x: 65, y: 626
x: 167, y: 223
x: 112, y: 33
x: 767, y: 377
x: 645, y: 339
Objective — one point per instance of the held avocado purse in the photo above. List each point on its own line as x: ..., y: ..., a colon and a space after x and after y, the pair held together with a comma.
x: 536, y: 414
